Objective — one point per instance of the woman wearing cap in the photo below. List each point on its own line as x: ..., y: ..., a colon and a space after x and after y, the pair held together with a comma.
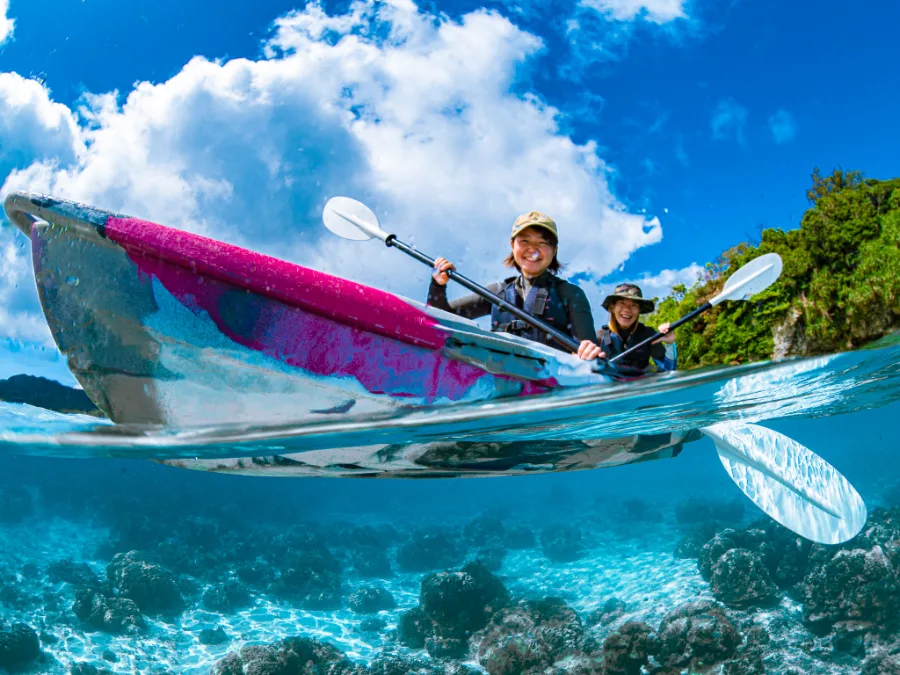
x: 536, y: 289
x: 625, y: 305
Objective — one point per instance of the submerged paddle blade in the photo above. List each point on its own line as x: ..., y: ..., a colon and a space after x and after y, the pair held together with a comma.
x: 351, y: 219
x: 754, y: 277
x: 789, y: 482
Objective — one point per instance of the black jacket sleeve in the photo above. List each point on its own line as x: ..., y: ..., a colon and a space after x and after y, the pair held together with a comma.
x: 580, y: 316
x: 469, y: 306
x: 658, y: 351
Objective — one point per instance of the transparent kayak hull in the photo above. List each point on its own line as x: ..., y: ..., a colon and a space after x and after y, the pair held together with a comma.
x: 162, y: 326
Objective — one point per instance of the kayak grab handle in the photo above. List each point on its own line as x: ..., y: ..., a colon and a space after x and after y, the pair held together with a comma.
x: 24, y: 209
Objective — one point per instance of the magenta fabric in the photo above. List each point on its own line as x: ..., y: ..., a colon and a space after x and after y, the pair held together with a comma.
x: 333, y: 297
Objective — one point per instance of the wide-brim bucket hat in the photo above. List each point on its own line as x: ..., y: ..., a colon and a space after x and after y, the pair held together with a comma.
x: 629, y: 292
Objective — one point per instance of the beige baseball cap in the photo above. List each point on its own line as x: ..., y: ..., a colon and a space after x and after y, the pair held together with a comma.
x: 533, y: 219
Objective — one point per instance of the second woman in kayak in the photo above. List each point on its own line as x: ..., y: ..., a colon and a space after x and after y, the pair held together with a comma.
x: 536, y: 289
x: 625, y: 330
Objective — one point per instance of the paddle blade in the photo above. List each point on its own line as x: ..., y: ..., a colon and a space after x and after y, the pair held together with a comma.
x: 351, y: 219
x: 757, y: 275
x: 789, y: 482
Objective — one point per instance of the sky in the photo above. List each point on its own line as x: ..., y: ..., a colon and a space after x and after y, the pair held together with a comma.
x: 657, y: 133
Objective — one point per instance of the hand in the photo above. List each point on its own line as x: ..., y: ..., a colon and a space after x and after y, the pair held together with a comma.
x: 588, y: 351
x: 441, y: 266
x: 668, y: 338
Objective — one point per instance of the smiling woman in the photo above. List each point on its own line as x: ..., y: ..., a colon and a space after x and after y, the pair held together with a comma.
x: 536, y: 290
x: 625, y: 333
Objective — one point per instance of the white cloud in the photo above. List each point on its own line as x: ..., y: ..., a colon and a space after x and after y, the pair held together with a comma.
x: 783, y: 127
x: 7, y: 25
x: 32, y: 128
x: 19, y: 313
x: 728, y: 121
x: 408, y: 112
x: 601, y: 31
x: 655, y: 11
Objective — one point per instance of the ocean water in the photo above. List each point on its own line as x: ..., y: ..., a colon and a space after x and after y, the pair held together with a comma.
x: 113, y: 560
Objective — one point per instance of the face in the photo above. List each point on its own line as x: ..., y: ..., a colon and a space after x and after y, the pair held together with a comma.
x: 626, y: 312
x: 532, y: 252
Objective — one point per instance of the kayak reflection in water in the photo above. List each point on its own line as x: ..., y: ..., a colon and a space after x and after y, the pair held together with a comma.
x: 625, y: 305
x: 536, y: 290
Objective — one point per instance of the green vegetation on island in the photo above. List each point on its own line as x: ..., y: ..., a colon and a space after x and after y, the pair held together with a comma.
x: 840, y: 288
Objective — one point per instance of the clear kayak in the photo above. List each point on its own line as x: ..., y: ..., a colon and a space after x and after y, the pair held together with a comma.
x: 157, y: 322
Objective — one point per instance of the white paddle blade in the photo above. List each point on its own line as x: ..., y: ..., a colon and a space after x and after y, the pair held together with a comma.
x: 757, y: 275
x: 351, y: 219
x: 789, y: 482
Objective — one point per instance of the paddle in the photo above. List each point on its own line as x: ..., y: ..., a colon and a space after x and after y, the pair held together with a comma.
x: 353, y: 220
x: 789, y: 482
x: 757, y: 275
x: 785, y: 479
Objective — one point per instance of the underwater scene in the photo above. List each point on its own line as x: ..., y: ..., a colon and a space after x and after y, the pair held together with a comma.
x: 449, y: 337
x: 114, y: 563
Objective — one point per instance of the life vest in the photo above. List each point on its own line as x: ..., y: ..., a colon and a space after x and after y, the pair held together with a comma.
x: 544, y: 302
x: 638, y: 361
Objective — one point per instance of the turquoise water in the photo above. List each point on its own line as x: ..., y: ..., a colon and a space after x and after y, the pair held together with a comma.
x: 672, y: 402
x: 254, y: 559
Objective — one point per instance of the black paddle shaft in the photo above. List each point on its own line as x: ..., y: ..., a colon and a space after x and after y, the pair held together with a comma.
x: 562, y: 338
x: 687, y: 317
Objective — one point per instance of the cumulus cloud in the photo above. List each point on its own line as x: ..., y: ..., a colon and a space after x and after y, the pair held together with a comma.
x: 783, y: 127
x: 32, y: 129
x: 19, y: 313
x: 728, y: 122
x: 408, y: 112
x: 598, y: 32
x: 6, y: 24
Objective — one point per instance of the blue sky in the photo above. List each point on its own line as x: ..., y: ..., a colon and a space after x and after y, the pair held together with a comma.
x: 707, y: 115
